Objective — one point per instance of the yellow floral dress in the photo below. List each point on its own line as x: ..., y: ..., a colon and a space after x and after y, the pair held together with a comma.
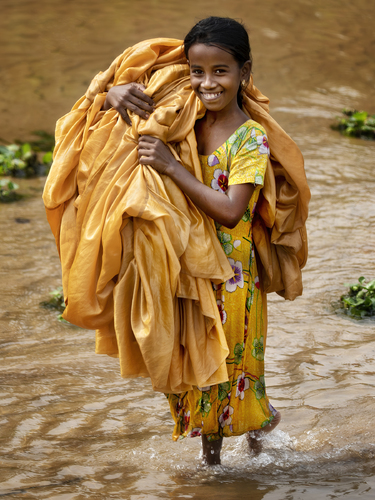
x: 241, y: 404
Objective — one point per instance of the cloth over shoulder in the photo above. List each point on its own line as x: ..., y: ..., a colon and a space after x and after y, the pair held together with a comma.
x: 279, y: 230
x: 137, y: 256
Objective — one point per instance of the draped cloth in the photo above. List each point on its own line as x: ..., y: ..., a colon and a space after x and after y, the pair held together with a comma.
x: 137, y: 256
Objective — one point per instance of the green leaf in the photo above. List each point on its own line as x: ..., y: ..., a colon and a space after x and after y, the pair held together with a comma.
x: 47, y: 158
x: 238, y: 350
x: 26, y: 148
x: 228, y: 248
x: 223, y: 390
x: 360, y: 116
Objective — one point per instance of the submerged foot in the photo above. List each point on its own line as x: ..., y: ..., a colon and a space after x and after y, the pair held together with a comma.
x: 211, y: 451
x: 254, y: 438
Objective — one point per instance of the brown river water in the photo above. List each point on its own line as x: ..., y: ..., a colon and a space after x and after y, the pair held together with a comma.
x: 70, y: 427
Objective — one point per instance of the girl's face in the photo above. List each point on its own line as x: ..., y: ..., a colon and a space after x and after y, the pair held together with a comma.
x: 216, y: 76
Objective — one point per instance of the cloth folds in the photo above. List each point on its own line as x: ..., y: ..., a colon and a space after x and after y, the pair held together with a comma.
x: 137, y: 256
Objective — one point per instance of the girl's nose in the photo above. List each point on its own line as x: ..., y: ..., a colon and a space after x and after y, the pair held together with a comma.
x: 208, y: 82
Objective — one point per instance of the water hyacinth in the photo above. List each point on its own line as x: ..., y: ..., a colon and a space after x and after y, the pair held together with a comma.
x: 356, y: 124
x: 359, y: 302
x: 26, y: 159
x: 56, y: 301
x: 8, y: 191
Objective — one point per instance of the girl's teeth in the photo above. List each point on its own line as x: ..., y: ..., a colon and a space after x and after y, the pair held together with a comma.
x: 211, y: 96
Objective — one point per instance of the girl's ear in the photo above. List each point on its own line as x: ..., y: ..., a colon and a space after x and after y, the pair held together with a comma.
x: 246, y: 71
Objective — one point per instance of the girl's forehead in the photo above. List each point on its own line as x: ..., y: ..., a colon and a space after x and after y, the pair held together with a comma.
x: 200, y: 53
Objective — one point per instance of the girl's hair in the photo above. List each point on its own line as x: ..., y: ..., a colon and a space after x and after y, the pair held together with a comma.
x: 225, y: 33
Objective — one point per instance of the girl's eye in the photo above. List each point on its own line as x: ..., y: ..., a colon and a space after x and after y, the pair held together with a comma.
x: 220, y: 70
x: 196, y: 72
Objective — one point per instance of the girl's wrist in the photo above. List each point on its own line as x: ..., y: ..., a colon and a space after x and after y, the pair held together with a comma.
x: 173, y: 168
x: 106, y: 106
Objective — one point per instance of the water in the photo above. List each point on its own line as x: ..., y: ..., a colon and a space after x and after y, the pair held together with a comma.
x: 70, y: 427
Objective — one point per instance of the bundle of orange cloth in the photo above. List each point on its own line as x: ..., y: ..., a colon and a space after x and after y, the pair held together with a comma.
x: 137, y: 256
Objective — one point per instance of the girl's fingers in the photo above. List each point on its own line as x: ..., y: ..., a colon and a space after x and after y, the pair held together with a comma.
x: 141, y: 96
x: 125, y: 116
x: 147, y: 139
x: 138, y: 107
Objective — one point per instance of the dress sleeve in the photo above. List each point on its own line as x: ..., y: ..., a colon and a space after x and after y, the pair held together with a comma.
x: 248, y: 154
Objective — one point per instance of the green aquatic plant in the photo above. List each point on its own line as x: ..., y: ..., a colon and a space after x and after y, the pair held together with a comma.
x: 26, y: 159
x: 360, y: 299
x: 56, y: 301
x: 356, y: 124
x: 8, y: 191
x: 17, y: 160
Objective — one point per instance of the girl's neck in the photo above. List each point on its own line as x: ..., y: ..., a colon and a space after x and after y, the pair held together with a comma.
x: 215, y: 128
x: 229, y: 117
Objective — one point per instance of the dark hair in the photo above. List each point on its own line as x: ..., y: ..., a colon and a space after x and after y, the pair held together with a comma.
x: 225, y: 33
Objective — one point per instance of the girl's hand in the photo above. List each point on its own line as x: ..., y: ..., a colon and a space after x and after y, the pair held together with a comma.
x: 129, y: 97
x: 153, y: 151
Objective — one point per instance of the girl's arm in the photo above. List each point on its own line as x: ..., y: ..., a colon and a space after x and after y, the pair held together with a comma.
x: 227, y: 209
x: 129, y: 97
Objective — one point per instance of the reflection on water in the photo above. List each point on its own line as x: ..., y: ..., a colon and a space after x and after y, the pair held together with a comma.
x: 70, y: 427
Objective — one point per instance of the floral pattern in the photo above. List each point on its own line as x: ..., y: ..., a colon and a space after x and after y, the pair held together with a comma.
x: 243, y: 384
x: 237, y: 280
x: 258, y: 350
x: 239, y: 404
x: 220, y: 180
x: 225, y: 418
x: 222, y: 312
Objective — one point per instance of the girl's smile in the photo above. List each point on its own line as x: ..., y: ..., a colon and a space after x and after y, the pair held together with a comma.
x: 216, y: 76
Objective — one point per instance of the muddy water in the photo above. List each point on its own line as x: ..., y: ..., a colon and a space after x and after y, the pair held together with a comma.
x: 70, y: 427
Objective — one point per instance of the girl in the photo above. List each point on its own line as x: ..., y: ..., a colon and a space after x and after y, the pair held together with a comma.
x: 233, y: 151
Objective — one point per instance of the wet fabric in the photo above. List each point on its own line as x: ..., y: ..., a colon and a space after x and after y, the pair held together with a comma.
x: 137, y: 256
x: 240, y: 404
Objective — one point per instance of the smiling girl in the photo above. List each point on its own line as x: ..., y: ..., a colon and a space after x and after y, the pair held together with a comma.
x: 138, y: 258
x: 233, y: 152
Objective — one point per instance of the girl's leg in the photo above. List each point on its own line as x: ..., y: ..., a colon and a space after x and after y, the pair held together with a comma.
x: 211, y: 450
x: 254, y: 438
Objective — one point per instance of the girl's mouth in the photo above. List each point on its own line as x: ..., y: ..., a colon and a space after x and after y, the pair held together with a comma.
x: 210, y: 96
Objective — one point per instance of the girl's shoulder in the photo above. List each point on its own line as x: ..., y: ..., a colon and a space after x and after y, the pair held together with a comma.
x: 251, y: 136
x: 248, y: 130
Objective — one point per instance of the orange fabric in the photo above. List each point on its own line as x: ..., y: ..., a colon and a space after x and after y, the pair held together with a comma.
x: 279, y: 229
x: 137, y: 256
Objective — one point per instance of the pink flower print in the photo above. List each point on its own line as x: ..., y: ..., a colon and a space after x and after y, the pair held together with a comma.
x: 222, y: 312
x: 254, y: 207
x: 237, y: 280
x: 225, y: 418
x: 256, y: 282
x: 243, y: 384
x: 195, y: 432
x: 186, y: 420
x: 212, y: 160
x: 263, y: 144
x: 178, y: 407
x: 220, y: 180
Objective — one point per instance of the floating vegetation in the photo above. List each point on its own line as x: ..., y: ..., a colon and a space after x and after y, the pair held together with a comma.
x: 359, y: 302
x: 27, y: 159
x: 356, y: 124
x: 56, y: 302
x: 8, y: 191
